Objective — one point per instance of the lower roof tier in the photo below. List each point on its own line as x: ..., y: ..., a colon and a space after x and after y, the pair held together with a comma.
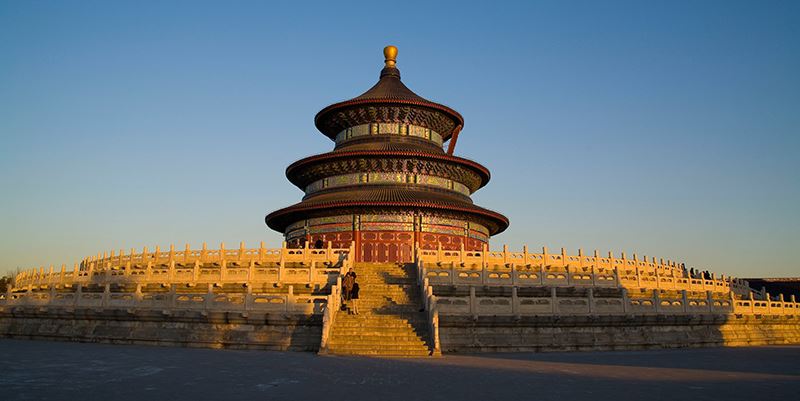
x: 396, y: 201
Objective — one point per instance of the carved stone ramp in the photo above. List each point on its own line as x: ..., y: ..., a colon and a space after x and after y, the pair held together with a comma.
x: 389, y: 322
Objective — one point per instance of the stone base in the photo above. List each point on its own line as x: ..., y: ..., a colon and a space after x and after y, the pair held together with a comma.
x: 595, y: 333
x: 179, y: 328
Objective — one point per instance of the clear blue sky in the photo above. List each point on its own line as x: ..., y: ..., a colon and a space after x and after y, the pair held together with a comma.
x: 664, y: 128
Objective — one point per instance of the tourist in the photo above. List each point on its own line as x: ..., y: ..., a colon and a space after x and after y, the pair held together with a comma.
x: 354, y: 299
x: 347, y: 286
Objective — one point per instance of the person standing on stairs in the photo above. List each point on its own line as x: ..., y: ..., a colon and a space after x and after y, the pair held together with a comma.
x: 354, y: 298
x: 347, y: 287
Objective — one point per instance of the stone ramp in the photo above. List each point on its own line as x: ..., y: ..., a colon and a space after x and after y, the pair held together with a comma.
x: 389, y: 322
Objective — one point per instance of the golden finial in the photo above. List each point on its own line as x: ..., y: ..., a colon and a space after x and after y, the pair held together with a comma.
x: 390, y: 53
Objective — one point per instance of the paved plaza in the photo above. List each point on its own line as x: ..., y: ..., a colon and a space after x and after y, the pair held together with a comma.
x: 39, y: 370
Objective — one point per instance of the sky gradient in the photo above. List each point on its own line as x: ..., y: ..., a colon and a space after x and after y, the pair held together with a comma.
x: 669, y: 129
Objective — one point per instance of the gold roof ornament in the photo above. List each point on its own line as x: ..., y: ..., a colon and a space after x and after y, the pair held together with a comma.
x: 390, y: 55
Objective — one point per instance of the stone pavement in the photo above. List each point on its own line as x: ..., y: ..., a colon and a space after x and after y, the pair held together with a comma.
x: 39, y: 370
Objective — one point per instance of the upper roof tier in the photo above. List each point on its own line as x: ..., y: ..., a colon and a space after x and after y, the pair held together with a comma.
x: 389, y: 101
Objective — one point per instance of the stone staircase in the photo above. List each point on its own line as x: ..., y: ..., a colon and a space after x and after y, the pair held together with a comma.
x: 389, y: 322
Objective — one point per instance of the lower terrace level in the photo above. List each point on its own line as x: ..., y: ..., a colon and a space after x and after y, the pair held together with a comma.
x: 71, y: 371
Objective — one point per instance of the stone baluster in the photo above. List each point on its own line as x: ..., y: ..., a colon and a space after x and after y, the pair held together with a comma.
x: 196, y: 271
x: 514, y: 301
x: 329, y: 252
x: 222, y: 262
x: 262, y: 252
x: 473, y: 303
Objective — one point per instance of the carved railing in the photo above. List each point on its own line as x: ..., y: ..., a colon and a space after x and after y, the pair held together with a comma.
x: 170, y: 300
x: 329, y: 315
x: 429, y: 304
x: 242, y: 280
x: 646, y: 302
x: 487, y: 268
x: 246, y: 266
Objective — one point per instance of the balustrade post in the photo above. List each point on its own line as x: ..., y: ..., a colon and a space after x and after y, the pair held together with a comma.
x: 329, y: 251
x: 248, y: 295
x: 769, y: 303
x: 242, y: 250
x: 127, y: 271
x: 187, y: 254
x: 204, y: 253
x: 262, y: 252
x: 311, y: 272
x: 106, y: 295
x: 525, y: 260
x: 196, y: 271
x: 63, y: 274
x: 222, y: 263
x: 685, y: 301
x: 461, y: 255
x: 148, y: 274
x: 625, y: 301
x: 563, y: 257
x: 209, y: 301
x: 544, y: 257
x: 282, y: 259
x: 505, y: 254
x: 290, y: 299
x: 171, y: 271
x: 305, y: 253
x: 514, y: 301
x: 514, y: 274
x: 156, y: 255
x: 656, y: 300
x: 473, y: 305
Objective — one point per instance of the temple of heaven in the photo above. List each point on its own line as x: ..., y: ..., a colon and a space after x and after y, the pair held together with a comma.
x: 388, y: 183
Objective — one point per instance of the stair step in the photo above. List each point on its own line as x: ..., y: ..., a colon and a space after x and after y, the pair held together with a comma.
x: 370, y: 349
x: 342, y: 342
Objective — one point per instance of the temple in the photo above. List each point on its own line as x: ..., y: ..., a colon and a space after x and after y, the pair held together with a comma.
x: 390, y: 203
x: 388, y: 184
